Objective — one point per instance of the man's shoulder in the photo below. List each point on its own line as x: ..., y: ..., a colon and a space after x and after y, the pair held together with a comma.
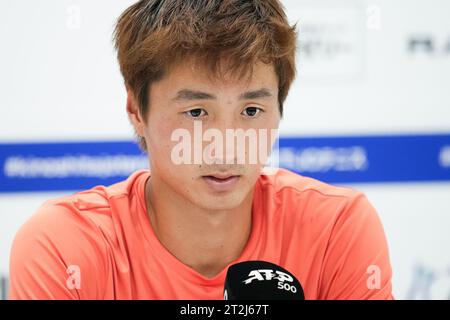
x: 93, y: 205
x: 283, y: 181
x: 62, y: 222
x: 82, y: 208
x: 87, y: 213
x: 302, y: 199
x: 76, y: 230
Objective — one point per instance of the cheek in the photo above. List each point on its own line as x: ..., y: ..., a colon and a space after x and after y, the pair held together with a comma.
x: 158, y: 137
x: 161, y: 146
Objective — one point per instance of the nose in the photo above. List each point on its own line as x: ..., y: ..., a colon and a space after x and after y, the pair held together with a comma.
x: 217, y: 150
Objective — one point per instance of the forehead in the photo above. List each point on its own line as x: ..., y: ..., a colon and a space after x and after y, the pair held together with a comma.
x: 191, y: 72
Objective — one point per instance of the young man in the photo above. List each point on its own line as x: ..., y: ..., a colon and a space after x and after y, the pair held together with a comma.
x: 192, y: 67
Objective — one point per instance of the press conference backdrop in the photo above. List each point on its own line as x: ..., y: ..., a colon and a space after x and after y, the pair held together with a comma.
x: 370, y: 109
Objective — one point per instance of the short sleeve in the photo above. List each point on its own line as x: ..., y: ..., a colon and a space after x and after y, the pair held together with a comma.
x: 57, y: 254
x: 356, y: 265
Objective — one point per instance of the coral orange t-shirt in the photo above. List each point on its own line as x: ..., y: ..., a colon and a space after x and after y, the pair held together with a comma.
x: 99, y: 244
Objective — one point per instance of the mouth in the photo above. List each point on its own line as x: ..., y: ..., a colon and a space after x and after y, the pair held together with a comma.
x: 221, y: 182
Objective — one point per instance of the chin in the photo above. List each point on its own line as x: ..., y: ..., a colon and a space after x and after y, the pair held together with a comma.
x: 218, y: 202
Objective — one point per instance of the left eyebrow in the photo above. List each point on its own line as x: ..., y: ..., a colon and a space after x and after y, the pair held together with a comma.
x: 257, y: 94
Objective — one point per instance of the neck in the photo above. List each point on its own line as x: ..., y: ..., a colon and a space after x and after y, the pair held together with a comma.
x: 205, y: 240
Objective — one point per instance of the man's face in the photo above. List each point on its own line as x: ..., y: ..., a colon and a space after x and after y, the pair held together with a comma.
x: 191, y: 121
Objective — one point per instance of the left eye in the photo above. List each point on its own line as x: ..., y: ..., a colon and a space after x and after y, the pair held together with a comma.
x: 251, y: 111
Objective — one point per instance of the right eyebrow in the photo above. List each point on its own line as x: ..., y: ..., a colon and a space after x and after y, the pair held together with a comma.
x: 189, y: 95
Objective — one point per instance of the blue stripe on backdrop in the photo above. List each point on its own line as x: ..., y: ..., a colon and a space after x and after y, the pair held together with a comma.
x: 369, y: 158
x: 343, y: 160
x: 66, y: 166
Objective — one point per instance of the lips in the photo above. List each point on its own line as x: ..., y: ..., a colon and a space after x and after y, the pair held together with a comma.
x: 221, y: 182
x: 221, y: 176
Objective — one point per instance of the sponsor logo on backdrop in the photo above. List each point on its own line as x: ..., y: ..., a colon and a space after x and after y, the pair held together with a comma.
x: 325, y: 159
x: 444, y: 157
x: 73, y: 166
x: 429, y: 282
x: 431, y: 45
x: 331, y: 40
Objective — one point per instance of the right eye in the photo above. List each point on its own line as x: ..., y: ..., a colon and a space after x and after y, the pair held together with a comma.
x: 196, y: 113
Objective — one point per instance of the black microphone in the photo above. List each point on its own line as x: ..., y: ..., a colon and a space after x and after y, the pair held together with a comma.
x: 261, y: 280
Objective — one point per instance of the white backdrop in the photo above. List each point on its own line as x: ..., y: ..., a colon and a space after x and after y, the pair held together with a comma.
x: 359, y: 73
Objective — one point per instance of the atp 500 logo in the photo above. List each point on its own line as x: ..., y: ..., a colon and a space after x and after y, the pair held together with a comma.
x: 268, y: 275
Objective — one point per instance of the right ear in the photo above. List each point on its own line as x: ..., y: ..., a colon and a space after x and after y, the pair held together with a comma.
x: 134, y: 113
